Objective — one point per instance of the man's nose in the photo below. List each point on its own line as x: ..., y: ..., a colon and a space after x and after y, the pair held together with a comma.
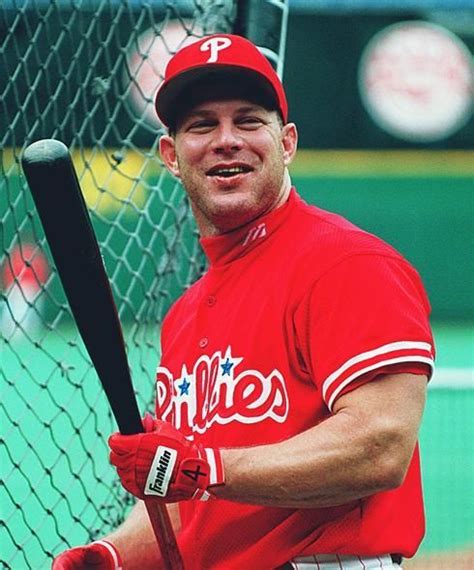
x: 227, y: 139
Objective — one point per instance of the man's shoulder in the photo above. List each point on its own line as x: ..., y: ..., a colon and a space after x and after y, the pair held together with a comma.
x: 329, y: 234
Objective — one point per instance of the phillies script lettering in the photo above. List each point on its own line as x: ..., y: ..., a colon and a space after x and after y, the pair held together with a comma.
x: 216, y: 391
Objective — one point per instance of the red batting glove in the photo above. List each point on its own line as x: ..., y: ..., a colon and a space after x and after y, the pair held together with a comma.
x: 162, y: 463
x: 100, y: 555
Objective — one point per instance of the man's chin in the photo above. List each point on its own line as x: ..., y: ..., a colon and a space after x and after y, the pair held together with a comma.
x: 233, y: 209
x: 235, y: 200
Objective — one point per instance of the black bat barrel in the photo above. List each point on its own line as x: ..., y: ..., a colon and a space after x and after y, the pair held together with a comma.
x: 53, y: 182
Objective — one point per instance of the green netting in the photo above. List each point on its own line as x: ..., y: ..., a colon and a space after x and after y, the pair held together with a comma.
x: 85, y: 72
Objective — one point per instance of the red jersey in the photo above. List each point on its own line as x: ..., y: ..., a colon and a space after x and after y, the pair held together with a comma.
x: 295, y: 310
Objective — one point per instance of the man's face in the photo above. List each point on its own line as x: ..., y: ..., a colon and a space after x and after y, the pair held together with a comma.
x: 231, y: 157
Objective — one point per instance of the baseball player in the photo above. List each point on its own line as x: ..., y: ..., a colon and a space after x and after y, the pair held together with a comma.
x: 293, y: 374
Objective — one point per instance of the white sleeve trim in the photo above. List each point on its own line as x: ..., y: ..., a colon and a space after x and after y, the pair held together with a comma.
x: 380, y: 364
x: 387, y: 349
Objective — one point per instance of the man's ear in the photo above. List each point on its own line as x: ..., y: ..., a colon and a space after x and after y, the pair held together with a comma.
x: 290, y: 142
x: 168, y: 154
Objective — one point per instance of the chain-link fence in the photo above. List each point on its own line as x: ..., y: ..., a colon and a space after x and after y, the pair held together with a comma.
x: 85, y: 72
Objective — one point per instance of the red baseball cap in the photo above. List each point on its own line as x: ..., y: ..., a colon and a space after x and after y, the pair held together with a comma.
x: 217, y: 56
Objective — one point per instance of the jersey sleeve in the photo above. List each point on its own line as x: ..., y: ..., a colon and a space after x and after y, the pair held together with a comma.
x: 368, y: 313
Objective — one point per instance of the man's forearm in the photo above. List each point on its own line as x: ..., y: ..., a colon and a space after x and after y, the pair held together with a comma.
x: 136, y: 542
x: 297, y: 474
x: 363, y: 449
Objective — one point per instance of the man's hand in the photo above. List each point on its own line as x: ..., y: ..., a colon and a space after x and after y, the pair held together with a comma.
x: 100, y: 555
x: 162, y: 463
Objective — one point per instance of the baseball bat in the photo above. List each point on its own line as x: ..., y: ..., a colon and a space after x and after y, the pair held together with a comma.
x: 52, y: 179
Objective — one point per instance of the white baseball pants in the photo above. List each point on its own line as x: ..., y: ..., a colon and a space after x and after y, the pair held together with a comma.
x: 342, y: 562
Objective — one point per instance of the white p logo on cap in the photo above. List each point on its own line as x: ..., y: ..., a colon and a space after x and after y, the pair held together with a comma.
x: 215, y: 45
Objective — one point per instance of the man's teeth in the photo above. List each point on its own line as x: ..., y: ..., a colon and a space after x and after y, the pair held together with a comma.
x: 229, y: 171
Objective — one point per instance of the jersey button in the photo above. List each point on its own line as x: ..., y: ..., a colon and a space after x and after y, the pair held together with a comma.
x: 203, y: 342
x: 211, y: 301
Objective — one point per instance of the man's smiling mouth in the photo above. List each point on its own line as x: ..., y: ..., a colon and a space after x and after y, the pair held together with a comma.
x: 228, y: 171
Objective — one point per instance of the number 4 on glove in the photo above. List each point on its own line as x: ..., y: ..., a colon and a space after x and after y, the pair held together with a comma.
x: 162, y: 463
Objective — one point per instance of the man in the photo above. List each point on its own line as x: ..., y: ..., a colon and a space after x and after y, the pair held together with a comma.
x: 293, y: 374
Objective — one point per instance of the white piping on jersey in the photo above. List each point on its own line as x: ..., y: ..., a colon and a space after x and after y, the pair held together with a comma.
x: 387, y: 348
x: 379, y: 364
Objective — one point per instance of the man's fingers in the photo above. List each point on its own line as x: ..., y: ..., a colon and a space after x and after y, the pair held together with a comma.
x: 119, y: 460
x: 148, y: 423
x: 124, y: 443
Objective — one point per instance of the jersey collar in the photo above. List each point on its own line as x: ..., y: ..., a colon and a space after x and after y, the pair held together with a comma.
x: 228, y: 247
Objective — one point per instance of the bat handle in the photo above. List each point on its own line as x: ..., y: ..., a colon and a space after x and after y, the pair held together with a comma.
x: 161, y: 523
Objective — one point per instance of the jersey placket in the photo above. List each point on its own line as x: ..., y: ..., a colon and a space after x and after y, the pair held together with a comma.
x: 206, y: 312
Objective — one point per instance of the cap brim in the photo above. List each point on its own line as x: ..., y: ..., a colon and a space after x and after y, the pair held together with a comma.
x: 169, y: 101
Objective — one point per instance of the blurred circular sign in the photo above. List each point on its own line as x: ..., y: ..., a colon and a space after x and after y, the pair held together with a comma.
x: 146, y: 65
x: 416, y: 81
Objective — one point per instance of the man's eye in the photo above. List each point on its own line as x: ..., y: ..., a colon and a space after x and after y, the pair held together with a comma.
x: 201, y: 125
x: 250, y: 122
